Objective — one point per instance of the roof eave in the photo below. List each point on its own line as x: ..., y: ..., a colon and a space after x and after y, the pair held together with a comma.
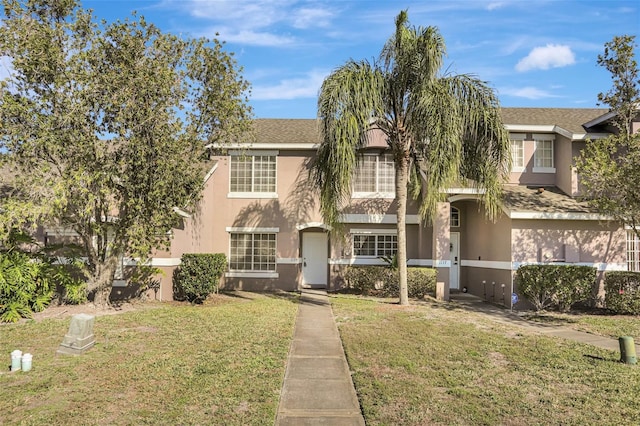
x: 552, y: 128
x: 272, y: 145
x: 599, y: 120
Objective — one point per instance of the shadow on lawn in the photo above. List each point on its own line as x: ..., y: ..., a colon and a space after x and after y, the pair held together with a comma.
x: 464, y: 302
x: 304, y: 297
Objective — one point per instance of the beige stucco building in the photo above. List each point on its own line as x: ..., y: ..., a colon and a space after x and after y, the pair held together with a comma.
x: 259, y: 208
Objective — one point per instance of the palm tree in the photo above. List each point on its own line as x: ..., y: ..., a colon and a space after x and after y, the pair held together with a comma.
x: 441, y: 129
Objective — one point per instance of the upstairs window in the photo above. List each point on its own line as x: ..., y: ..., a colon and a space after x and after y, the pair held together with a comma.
x: 454, y: 220
x: 252, y: 174
x: 375, y: 176
x: 517, y: 153
x: 633, y: 252
x: 543, y: 156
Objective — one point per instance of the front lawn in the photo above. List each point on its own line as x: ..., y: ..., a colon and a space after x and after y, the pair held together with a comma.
x: 437, y: 364
x: 175, y: 364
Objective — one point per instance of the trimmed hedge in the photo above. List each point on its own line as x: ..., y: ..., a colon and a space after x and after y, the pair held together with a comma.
x: 198, y: 275
x: 383, y: 281
x: 622, y: 292
x: 559, y: 286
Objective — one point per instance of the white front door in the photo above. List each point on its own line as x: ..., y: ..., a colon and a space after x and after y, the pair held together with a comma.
x: 454, y: 270
x: 314, y: 259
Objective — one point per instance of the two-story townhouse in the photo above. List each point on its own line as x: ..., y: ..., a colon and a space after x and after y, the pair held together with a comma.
x: 259, y: 208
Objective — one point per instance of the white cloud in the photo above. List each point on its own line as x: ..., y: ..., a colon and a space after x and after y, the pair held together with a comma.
x: 292, y: 88
x: 527, y: 92
x: 251, y: 14
x: 256, y: 22
x: 549, y: 56
x: 251, y: 37
x: 307, y: 17
x: 494, y: 5
x: 514, y: 44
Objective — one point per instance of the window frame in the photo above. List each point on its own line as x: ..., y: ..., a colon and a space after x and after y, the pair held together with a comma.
x: 633, y: 251
x: 539, y: 155
x: 380, y: 237
x: 387, y: 159
x: 271, y: 264
x: 518, y: 138
x: 254, y: 177
x: 453, y: 224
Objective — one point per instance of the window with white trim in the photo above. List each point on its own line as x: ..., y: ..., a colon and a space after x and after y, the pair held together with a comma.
x: 252, y: 174
x: 517, y: 154
x: 543, y: 155
x: 375, y: 175
x: 454, y: 220
x: 252, y: 251
x: 374, y: 245
x: 633, y: 252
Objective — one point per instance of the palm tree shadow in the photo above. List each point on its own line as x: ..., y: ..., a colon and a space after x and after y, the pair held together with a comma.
x: 301, y: 200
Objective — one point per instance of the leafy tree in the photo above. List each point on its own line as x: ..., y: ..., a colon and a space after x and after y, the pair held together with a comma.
x: 104, y: 127
x: 609, y: 168
x: 440, y: 128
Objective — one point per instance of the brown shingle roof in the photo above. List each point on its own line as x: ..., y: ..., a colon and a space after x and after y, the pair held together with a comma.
x: 570, y: 119
x: 520, y: 198
x: 287, y: 130
x: 278, y: 130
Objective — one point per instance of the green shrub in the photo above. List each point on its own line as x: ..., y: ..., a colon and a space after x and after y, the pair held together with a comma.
x: 366, y: 280
x: 25, y: 286
x: 622, y: 292
x: 72, y: 288
x: 421, y: 282
x: 383, y: 281
x: 198, y: 275
x: 559, y: 286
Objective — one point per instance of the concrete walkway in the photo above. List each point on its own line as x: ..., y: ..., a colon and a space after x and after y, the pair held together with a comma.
x: 317, y: 388
x: 502, y: 315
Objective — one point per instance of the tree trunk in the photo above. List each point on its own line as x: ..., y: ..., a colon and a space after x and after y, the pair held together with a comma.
x: 402, y: 178
x: 102, y: 281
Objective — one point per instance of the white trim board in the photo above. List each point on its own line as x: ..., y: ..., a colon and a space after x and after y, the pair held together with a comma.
x: 253, y: 152
x: 288, y: 260
x: 378, y: 262
x: 558, y: 216
x: 210, y: 172
x: 246, y: 274
x: 552, y: 128
x: 265, y: 146
x: 302, y: 226
x: 386, y: 231
x: 391, y: 219
x: 600, y: 266
x: 252, y: 195
x: 466, y: 191
x: 486, y: 264
x: 249, y: 229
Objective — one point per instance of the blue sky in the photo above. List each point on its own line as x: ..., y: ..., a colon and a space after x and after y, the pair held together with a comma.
x: 534, y: 53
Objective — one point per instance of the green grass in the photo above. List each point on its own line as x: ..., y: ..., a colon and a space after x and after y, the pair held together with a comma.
x: 435, y: 364
x: 174, y: 364
x: 603, y: 325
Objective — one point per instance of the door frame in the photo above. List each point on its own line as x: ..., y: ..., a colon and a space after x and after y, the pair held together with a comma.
x: 454, y: 260
x: 319, y: 260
